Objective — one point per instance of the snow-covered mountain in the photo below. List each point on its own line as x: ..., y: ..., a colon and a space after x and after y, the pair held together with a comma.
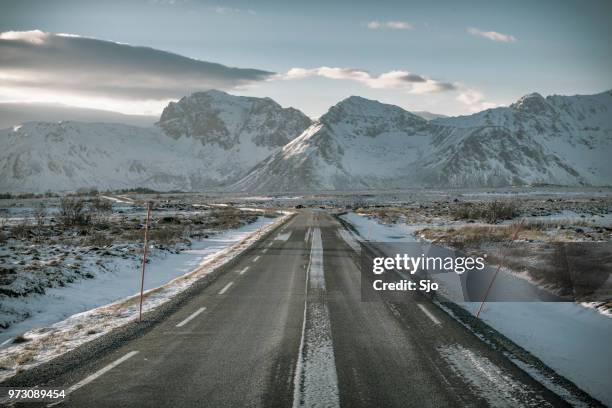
x: 41, y: 156
x: 365, y: 144
x: 212, y: 139
x: 357, y: 144
x: 564, y: 140
x: 204, y: 140
x: 428, y: 115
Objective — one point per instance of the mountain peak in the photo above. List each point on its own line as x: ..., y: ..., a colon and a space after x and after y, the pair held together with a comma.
x: 532, y: 103
x: 357, y: 102
x: 218, y: 118
x: 356, y: 109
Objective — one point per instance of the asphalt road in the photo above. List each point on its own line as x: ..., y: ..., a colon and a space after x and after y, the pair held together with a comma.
x: 286, y: 326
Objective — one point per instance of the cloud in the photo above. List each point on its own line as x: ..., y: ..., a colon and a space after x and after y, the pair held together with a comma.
x: 34, y: 36
x: 491, y: 35
x: 402, y: 80
x: 474, y: 100
x: 34, y: 62
x: 394, y: 25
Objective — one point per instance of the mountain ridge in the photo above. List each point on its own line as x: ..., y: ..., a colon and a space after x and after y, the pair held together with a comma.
x: 214, y: 140
x: 554, y: 140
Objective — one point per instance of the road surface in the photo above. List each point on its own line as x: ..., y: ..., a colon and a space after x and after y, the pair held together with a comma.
x: 285, y: 326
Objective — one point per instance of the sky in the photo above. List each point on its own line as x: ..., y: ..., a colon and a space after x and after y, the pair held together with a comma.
x: 445, y: 57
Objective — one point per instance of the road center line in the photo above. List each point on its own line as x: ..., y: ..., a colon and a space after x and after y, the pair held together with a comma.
x: 256, y: 258
x: 316, y: 380
x: 226, y: 287
x: 243, y: 270
x: 98, y: 373
x: 428, y: 313
x: 191, y: 317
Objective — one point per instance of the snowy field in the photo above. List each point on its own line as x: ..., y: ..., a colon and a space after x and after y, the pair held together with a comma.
x: 570, y: 338
x: 165, y: 279
x: 120, y: 280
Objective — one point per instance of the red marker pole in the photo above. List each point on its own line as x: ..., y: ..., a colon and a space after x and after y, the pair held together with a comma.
x: 516, y: 232
x: 144, y: 258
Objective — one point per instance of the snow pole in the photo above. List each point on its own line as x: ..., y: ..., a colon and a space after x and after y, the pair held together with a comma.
x: 144, y: 258
x: 518, y: 229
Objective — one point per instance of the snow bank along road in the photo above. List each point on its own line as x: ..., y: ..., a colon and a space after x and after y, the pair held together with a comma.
x: 285, y: 326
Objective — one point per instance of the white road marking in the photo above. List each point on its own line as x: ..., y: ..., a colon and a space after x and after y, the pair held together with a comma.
x: 98, y: 373
x: 256, y: 258
x: 225, y: 288
x: 244, y: 270
x: 316, y: 380
x: 7, y: 341
x: 428, y: 313
x: 191, y: 317
x: 283, y: 237
x: 265, y: 250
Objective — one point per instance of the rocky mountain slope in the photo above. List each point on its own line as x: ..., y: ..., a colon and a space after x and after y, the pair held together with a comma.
x: 365, y: 144
x: 202, y: 141
x: 357, y: 144
x: 564, y: 140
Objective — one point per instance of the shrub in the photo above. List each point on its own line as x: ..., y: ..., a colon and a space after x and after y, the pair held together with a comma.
x: 167, y: 235
x: 101, y: 205
x: 20, y: 339
x: 22, y: 230
x: 73, y: 211
x: 40, y: 213
x: 497, y: 210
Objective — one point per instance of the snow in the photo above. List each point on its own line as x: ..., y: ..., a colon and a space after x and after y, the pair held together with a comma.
x: 118, y: 199
x: 371, y: 230
x: 488, y: 380
x: 163, y: 280
x: 363, y: 144
x: 534, y: 192
x: 572, y: 339
x: 569, y: 338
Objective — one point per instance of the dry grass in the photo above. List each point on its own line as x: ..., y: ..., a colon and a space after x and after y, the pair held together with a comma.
x: 168, y: 234
x: 490, y: 212
x: 25, y: 357
x: 98, y: 239
x: 474, y: 235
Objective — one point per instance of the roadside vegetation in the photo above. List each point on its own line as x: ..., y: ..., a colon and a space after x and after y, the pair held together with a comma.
x: 560, y: 244
x: 51, y: 242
